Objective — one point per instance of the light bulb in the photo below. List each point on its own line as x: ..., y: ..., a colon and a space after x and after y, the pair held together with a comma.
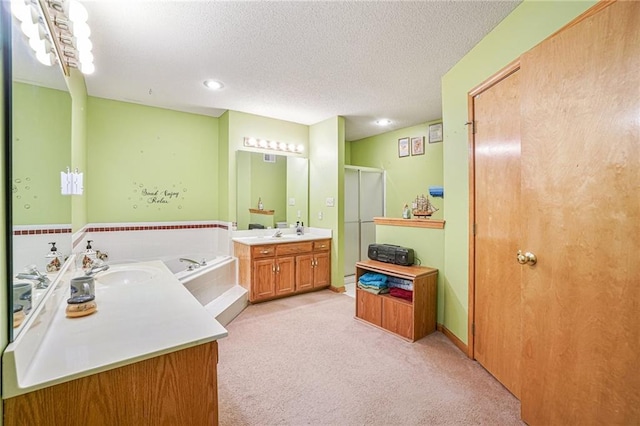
x: 87, y: 68
x: 85, y: 57
x: 213, y: 84
x: 30, y: 29
x: 273, y: 144
x: 292, y: 147
x: 299, y: 148
x: 262, y: 143
x: 251, y: 141
x: 81, y: 30
x: 45, y: 58
x: 37, y: 44
x: 77, y: 12
x: 84, y: 44
x: 21, y: 10
x: 282, y: 146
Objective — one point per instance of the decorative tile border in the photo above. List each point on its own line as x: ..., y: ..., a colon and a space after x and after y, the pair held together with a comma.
x: 152, y: 227
x: 42, y: 231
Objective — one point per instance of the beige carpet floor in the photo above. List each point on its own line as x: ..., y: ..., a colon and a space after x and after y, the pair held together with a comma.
x: 305, y: 360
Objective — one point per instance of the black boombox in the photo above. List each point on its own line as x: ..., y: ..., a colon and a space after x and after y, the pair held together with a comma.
x: 391, y: 254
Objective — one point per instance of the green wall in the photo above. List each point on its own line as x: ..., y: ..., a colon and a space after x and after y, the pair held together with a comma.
x: 526, y: 26
x: 326, y: 180
x: 78, y: 91
x: 41, y: 150
x: 149, y: 164
x: 407, y: 177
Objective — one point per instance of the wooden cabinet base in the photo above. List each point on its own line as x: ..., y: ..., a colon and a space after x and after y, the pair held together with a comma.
x: 411, y: 320
x: 172, y: 389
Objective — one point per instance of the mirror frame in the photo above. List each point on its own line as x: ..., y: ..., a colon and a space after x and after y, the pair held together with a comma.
x: 7, y: 116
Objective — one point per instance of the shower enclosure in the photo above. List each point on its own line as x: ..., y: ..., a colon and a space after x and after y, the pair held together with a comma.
x: 364, y: 197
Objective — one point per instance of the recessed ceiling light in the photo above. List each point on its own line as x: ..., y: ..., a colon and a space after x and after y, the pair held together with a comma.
x: 213, y: 84
x: 383, y: 122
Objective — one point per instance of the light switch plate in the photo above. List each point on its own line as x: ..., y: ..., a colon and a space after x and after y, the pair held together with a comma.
x: 292, y: 201
x: 319, y: 215
x: 330, y: 202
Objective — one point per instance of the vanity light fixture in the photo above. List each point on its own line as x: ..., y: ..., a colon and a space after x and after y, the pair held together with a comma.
x: 251, y: 142
x: 57, y: 31
x: 213, y: 84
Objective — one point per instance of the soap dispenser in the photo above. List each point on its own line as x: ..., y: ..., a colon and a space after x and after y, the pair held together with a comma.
x: 260, y: 205
x: 54, y: 259
x: 89, y: 256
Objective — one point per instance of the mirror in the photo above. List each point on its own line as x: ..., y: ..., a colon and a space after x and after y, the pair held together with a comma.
x: 41, y: 149
x: 279, y: 183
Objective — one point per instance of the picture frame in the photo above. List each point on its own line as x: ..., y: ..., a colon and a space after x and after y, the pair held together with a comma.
x: 417, y: 145
x: 403, y: 147
x: 435, y: 133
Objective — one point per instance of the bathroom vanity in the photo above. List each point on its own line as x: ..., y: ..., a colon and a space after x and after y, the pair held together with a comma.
x: 147, y: 356
x: 273, y: 267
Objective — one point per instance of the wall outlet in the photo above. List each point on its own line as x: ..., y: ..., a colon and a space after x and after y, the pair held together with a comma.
x: 299, y: 214
x: 330, y: 202
x: 319, y: 215
x: 292, y: 201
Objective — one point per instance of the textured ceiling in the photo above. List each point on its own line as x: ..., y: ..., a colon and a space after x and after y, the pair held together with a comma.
x: 297, y: 61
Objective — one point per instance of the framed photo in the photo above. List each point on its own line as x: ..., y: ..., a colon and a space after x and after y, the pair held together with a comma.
x: 417, y: 145
x: 403, y: 147
x: 435, y: 133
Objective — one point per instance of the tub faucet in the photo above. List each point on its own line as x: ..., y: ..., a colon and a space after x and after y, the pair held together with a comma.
x: 193, y: 263
x: 42, y: 281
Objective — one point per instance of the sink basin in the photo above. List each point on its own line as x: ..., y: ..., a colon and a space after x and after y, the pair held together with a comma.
x: 292, y: 236
x: 126, y: 276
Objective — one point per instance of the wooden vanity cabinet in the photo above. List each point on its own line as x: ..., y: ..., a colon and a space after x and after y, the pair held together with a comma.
x: 411, y: 320
x: 171, y: 389
x: 281, y: 269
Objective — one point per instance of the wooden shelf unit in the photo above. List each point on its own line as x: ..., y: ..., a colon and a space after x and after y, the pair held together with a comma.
x: 409, y: 320
x: 266, y: 212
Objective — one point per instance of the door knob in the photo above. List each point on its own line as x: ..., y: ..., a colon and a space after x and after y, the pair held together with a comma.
x: 526, y: 258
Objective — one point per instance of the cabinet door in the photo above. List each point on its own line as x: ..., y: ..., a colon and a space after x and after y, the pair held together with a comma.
x: 263, y: 279
x: 369, y: 307
x: 304, y: 272
x: 397, y: 317
x: 285, y: 276
x: 322, y: 270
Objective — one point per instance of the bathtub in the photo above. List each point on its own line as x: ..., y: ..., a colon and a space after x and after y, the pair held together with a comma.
x: 208, y: 282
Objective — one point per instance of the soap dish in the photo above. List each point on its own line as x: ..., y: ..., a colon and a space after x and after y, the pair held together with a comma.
x: 80, y: 306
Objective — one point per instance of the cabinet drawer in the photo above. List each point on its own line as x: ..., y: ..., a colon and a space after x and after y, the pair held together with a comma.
x: 295, y: 248
x: 322, y: 245
x: 263, y: 251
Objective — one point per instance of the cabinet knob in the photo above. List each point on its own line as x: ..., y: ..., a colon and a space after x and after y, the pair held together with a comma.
x: 264, y: 252
x: 526, y: 258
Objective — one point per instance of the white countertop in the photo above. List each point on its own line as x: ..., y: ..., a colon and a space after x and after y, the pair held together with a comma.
x: 134, y: 321
x: 265, y: 236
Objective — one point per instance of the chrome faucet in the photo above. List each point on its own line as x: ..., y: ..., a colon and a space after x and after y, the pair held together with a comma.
x: 32, y: 273
x: 277, y: 234
x: 193, y: 263
x: 97, y: 267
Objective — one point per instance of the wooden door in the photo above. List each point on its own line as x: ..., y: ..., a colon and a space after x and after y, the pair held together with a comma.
x: 581, y: 199
x: 322, y: 270
x: 304, y: 272
x: 285, y: 275
x: 497, y: 339
x: 263, y: 279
